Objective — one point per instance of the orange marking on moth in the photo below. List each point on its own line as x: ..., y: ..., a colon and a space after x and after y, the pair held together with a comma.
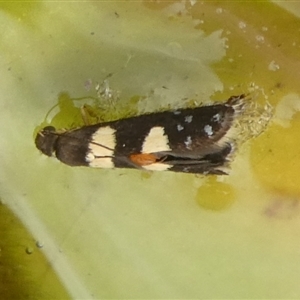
x: 143, y: 159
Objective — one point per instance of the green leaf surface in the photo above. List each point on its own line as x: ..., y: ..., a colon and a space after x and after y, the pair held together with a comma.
x: 121, y: 234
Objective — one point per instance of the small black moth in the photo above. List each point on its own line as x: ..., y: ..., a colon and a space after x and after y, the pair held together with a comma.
x: 192, y: 140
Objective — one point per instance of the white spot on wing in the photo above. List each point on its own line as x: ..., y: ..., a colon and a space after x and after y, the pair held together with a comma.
x: 188, y: 119
x: 216, y: 118
x: 208, y: 130
x: 101, y: 148
x: 157, y: 167
x: 179, y: 127
x: 90, y: 157
x: 188, y: 142
x: 104, y: 163
x: 156, y: 141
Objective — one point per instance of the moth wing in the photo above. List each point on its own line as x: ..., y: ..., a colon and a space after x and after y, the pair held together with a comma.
x: 212, y: 163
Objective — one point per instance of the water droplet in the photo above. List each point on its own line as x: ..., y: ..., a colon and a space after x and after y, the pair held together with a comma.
x: 215, y: 195
x: 273, y: 66
x: 260, y: 38
x: 39, y: 244
x: 29, y: 250
x: 242, y: 25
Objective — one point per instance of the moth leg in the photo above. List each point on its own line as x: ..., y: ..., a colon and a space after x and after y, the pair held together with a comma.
x: 84, y: 115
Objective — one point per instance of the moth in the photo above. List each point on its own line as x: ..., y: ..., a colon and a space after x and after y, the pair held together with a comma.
x: 191, y: 140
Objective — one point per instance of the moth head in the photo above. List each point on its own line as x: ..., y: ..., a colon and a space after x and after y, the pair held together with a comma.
x: 46, y: 140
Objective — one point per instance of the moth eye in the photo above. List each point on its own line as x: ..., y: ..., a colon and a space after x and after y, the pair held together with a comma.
x: 49, y: 129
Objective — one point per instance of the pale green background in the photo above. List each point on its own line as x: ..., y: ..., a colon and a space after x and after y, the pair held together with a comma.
x: 123, y: 234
